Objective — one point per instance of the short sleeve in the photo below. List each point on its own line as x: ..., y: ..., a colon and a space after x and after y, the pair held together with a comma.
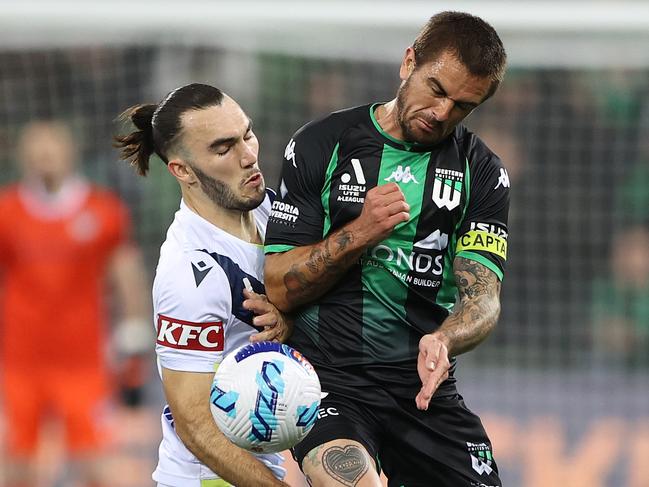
x: 483, y: 233
x: 297, y: 215
x: 192, y: 304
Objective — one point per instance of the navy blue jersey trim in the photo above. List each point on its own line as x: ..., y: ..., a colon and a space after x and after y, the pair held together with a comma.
x: 235, y: 277
x: 168, y: 416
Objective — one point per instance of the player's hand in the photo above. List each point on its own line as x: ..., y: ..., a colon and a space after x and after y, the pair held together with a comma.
x: 277, y: 326
x: 384, y: 208
x: 133, y: 343
x: 132, y: 376
x: 433, y: 365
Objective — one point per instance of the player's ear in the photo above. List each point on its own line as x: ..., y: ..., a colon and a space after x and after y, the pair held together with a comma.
x: 407, y: 64
x: 181, y: 171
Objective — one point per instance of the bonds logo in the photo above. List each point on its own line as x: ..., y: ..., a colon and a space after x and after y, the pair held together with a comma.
x: 284, y: 213
x: 481, y: 457
x: 352, y: 193
x: 447, y: 188
x: 416, y: 267
x: 187, y: 335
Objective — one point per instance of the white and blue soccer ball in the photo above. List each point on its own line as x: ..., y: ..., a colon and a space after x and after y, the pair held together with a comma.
x: 265, y: 397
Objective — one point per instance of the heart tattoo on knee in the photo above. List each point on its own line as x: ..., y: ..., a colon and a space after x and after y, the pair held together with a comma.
x: 347, y: 465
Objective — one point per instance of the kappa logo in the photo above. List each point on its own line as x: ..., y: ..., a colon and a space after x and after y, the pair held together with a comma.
x: 503, y: 179
x: 481, y: 457
x: 401, y: 175
x: 289, y: 152
x: 435, y: 241
x: 187, y: 335
x: 447, y: 188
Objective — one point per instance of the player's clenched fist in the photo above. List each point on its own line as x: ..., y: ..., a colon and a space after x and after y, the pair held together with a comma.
x: 384, y: 208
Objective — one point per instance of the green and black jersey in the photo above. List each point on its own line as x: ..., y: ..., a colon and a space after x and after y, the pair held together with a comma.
x: 366, y: 329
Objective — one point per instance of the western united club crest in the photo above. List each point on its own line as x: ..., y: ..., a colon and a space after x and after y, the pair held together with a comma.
x: 481, y: 457
x: 447, y: 188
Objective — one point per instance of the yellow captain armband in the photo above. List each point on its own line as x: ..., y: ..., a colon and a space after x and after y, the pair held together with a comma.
x: 482, y: 241
x: 215, y: 483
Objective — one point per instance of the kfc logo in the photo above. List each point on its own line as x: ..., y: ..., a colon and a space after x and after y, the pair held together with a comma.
x: 174, y: 333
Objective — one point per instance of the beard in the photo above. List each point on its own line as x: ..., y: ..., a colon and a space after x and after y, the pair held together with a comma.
x: 222, y: 195
x: 409, y: 134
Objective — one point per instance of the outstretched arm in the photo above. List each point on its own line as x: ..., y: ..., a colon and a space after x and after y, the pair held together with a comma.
x: 303, y: 274
x: 188, y: 397
x: 470, y: 323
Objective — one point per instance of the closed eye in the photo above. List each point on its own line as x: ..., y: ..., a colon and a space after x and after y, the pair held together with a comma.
x: 224, y: 151
x: 464, y: 106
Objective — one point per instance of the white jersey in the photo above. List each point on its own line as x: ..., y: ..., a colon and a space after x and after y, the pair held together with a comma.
x: 199, y: 318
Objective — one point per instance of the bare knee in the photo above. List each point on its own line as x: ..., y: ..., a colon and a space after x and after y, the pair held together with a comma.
x: 340, y: 463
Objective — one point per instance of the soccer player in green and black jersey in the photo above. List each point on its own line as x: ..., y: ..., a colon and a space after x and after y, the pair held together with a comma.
x: 388, y: 240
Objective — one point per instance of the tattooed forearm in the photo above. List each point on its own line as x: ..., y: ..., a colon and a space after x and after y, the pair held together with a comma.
x: 326, y: 261
x: 478, y: 309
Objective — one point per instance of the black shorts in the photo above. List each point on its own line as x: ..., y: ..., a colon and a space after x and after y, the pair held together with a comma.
x: 445, y: 446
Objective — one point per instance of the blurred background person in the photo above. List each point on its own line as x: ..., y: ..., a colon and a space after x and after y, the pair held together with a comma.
x: 620, y: 308
x: 60, y: 238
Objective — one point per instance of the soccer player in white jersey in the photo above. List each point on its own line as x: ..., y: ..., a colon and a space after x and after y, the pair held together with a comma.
x: 201, y: 307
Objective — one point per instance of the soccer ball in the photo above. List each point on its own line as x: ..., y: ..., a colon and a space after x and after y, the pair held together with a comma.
x: 265, y: 397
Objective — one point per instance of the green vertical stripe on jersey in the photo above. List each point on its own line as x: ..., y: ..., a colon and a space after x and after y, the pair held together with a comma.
x: 386, y: 265
x: 447, y: 292
x: 326, y: 191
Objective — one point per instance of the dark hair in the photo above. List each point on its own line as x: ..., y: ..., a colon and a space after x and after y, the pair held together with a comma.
x: 472, y: 40
x: 158, y: 126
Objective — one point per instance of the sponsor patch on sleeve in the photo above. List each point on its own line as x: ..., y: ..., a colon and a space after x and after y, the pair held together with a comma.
x: 187, y: 335
x: 483, y: 241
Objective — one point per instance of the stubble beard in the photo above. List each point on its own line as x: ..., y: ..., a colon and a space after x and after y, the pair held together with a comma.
x: 222, y: 195
x: 404, y: 124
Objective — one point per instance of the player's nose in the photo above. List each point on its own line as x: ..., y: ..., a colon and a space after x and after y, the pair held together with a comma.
x: 442, y: 110
x: 248, y: 156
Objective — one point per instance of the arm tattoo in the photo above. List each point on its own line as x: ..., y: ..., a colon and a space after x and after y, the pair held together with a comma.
x: 479, y: 307
x: 474, y: 279
x: 347, y: 465
x: 327, y: 261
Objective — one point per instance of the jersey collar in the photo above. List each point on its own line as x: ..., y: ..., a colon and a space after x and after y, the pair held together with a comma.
x: 201, y: 233
x: 397, y: 143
